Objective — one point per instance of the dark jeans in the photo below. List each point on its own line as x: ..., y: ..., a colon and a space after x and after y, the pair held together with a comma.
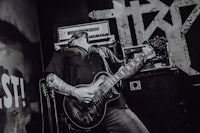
x: 123, y: 121
x: 119, y: 121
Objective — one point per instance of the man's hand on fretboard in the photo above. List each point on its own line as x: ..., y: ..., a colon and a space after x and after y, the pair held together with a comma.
x: 149, y: 52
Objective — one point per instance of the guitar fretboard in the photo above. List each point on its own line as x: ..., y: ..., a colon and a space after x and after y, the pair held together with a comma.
x: 131, y: 68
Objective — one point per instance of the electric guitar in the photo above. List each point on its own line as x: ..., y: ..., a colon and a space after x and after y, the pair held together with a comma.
x: 89, y: 115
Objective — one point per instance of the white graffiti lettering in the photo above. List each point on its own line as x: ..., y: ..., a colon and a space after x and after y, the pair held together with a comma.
x: 175, y: 32
x: 8, y: 83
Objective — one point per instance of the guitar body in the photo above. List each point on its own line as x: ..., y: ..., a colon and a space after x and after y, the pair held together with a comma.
x: 89, y: 115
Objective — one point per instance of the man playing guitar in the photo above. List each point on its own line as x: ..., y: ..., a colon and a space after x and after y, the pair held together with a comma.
x: 81, y: 73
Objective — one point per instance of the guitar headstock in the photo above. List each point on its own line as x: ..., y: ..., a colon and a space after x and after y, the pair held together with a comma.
x: 159, y: 45
x: 157, y: 42
x: 52, y: 94
x: 44, y: 88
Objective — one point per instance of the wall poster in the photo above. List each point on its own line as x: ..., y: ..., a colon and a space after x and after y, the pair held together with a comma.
x: 20, y: 67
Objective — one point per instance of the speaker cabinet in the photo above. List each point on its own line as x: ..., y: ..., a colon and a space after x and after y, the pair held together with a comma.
x: 153, y: 97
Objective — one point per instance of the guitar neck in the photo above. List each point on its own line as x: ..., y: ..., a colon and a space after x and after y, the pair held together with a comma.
x: 129, y: 69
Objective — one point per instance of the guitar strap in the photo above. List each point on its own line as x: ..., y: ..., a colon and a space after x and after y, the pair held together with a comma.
x: 103, y: 56
x: 107, y: 67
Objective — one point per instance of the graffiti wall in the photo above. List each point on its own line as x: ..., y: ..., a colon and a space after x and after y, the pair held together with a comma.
x: 174, y: 27
x: 20, y: 66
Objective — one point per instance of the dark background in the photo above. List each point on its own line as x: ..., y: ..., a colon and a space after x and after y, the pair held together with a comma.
x: 168, y: 101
